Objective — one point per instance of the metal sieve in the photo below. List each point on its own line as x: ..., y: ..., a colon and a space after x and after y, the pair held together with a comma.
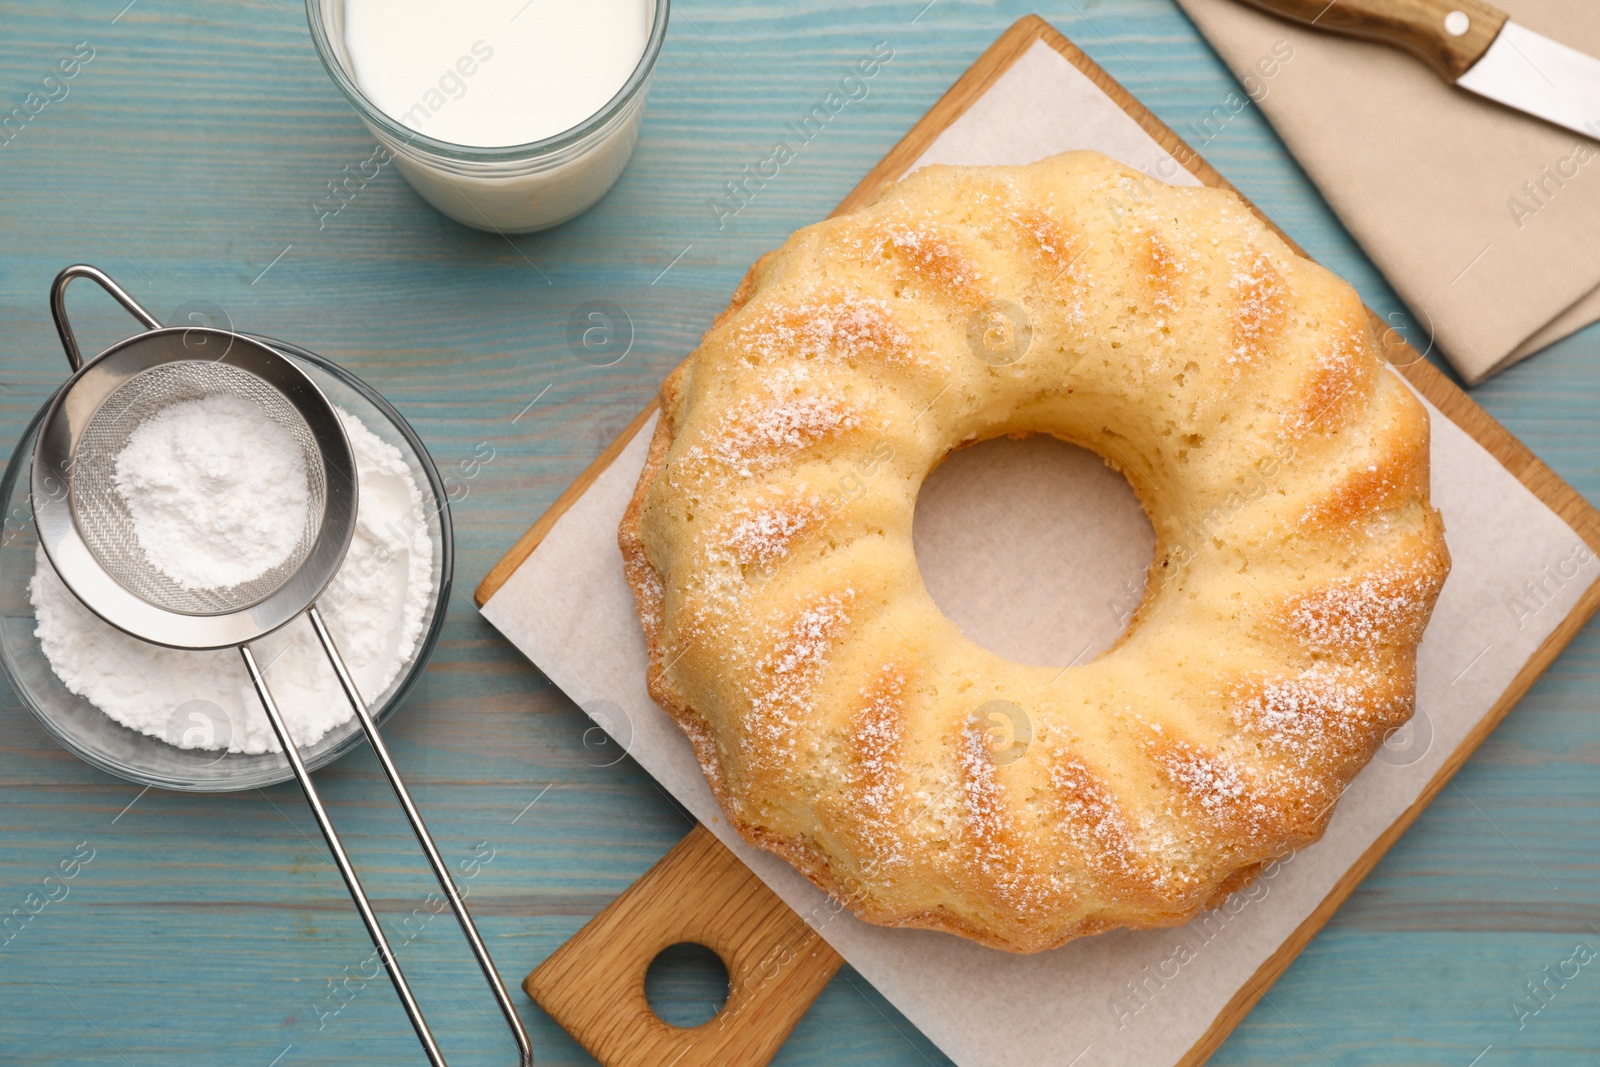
x: 101, y: 514
x: 88, y: 535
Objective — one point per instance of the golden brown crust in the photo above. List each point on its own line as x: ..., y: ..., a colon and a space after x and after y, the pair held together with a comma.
x: 767, y: 545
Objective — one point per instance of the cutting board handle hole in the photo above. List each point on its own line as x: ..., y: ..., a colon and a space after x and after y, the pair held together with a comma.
x: 686, y: 984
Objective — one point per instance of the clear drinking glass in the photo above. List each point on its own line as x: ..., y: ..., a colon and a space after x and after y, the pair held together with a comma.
x: 513, y: 189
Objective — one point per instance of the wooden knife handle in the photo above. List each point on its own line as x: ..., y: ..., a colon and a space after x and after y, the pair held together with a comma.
x: 777, y: 965
x: 1449, y: 35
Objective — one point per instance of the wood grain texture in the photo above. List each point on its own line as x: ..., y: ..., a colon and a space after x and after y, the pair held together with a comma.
x: 1417, y: 26
x: 507, y: 564
x: 700, y: 892
x: 186, y: 157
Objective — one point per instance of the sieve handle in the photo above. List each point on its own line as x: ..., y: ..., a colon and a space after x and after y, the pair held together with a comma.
x: 347, y: 871
x: 440, y: 871
x: 58, y: 306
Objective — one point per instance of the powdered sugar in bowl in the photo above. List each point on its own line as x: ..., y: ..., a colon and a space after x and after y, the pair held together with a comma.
x: 153, y: 760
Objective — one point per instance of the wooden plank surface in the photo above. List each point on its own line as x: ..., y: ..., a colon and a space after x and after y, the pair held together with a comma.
x: 187, y: 156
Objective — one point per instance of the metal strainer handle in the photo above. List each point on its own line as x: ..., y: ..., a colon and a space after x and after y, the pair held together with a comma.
x: 58, y: 306
x: 347, y: 871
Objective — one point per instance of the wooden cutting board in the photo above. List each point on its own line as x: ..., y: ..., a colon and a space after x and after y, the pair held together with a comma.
x: 777, y: 964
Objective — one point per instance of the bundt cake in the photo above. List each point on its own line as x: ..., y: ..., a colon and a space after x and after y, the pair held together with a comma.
x: 846, y: 724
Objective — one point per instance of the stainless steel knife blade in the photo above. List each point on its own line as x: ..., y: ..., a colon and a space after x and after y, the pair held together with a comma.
x: 1544, y: 78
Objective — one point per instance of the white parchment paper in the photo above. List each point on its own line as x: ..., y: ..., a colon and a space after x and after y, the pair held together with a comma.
x: 1120, y: 998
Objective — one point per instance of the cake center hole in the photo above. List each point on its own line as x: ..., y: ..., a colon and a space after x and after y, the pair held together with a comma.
x: 686, y: 984
x: 1034, y: 547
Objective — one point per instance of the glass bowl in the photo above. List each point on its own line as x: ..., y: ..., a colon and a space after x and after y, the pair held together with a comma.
x: 85, y: 730
x: 510, y: 189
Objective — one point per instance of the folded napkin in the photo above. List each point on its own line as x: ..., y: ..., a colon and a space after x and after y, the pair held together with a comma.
x: 1485, y: 221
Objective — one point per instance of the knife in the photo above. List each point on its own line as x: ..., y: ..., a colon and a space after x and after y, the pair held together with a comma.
x: 1472, y: 46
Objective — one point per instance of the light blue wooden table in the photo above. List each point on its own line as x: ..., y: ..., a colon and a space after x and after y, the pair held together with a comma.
x: 186, y: 159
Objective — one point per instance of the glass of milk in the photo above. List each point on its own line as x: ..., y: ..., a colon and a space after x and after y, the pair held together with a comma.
x: 506, y: 115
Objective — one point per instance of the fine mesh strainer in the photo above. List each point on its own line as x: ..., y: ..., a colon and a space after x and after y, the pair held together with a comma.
x: 86, y: 531
x: 102, y: 516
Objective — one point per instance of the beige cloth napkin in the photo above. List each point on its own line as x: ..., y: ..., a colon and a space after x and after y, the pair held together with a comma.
x: 1432, y: 180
